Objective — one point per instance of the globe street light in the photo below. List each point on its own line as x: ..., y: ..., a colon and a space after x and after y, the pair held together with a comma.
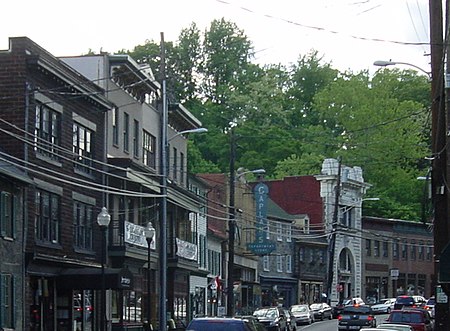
x: 149, y: 234
x: 103, y: 220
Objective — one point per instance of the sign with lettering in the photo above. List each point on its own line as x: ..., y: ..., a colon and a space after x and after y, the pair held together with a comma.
x: 135, y: 234
x: 261, y: 246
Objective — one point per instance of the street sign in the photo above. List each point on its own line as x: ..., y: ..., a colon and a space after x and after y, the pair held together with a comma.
x: 261, y: 248
x: 441, y: 297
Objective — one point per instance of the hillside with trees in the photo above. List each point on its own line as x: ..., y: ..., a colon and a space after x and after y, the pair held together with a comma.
x: 287, y: 119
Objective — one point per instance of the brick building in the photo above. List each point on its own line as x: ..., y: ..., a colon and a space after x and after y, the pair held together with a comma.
x: 50, y: 120
x: 397, y: 258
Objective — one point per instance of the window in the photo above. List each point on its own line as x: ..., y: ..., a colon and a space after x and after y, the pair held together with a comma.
x: 288, y: 263
x: 115, y: 126
x: 182, y: 168
x: 279, y: 231
x: 126, y: 132
x: 47, y: 131
x: 413, y: 250
x: 347, y: 216
x: 136, y: 139
x: 9, y: 209
x: 429, y: 251
x: 280, y: 263
x: 368, y: 247
x: 175, y: 164
x: 268, y: 229
x: 404, y: 250
x: 7, y: 301
x: 47, y: 216
x: 82, y: 148
x: 149, y: 150
x: 385, y: 249
x: 322, y: 256
x: 82, y: 225
x: 421, y: 251
x: 266, y: 263
x: 288, y: 231
x: 301, y: 254
x: 376, y: 248
x: 395, y: 250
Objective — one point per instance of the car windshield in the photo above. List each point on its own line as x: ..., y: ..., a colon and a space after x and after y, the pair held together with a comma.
x: 271, y: 313
x: 315, y: 306
x: 347, y: 302
x: 431, y: 301
x: 405, y: 300
x: 299, y: 309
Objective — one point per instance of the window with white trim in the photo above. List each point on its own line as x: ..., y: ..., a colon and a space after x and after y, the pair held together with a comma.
x: 279, y: 231
x: 280, y: 263
x: 47, y: 216
x: 288, y: 263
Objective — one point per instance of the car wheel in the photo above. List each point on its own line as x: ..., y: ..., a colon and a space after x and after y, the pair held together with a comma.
x: 389, y: 310
x: 330, y: 317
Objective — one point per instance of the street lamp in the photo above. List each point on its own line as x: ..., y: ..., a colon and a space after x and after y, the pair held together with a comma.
x: 231, y: 224
x: 149, y: 234
x: 382, y: 63
x: 103, y: 220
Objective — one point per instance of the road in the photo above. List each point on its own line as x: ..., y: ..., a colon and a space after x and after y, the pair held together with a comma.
x: 331, y: 325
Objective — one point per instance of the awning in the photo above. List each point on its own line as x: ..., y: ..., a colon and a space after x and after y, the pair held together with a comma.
x: 91, y: 279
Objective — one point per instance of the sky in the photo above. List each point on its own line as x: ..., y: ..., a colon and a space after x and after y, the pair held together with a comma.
x: 349, y: 34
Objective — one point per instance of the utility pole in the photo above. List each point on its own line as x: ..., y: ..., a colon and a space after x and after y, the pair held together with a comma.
x: 231, y: 228
x: 439, y: 163
x: 332, y: 246
x: 163, y: 202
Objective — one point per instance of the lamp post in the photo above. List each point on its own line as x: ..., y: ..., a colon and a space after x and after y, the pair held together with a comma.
x: 231, y: 224
x: 149, y: 234
x: 103, y: 220
x: 382, y: 63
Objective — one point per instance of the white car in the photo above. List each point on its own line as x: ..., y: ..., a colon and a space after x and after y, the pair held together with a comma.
x: 384, y: 306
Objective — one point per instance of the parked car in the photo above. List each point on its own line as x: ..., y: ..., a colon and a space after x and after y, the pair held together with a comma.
x: 302, y: 313
x: 253, y: 320
x: 321, y: 311
x: 395, y: 327
x: 429, y: 305
x: 413, y: 301
x: 290, y: 320
x: 356, y: 317
x: 348, y: 302
x: 220, y: 324
x: 418, y: 318
x: 384, y: 306
x: 273, y: 318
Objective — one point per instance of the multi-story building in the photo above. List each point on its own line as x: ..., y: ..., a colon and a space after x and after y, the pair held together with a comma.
x: 52, y: 124
x: 297, y: 200
x: 246, y: 288
x: 135, y: 142
x: 342, y: 189
x: 13, y: 181
x: 397, y: 258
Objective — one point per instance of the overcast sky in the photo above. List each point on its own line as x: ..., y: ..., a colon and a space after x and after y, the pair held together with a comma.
x: 351, y: 34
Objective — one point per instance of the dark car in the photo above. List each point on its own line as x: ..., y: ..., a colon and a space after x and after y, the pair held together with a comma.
x: 273, y: 318
x: 321, y: 311
x: 356, y: 317
x: 220, y: 324
x: 418, y: 318
x: 411, y: 301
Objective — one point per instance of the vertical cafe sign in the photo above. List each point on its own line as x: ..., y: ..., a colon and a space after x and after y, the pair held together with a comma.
x: 261, y: 246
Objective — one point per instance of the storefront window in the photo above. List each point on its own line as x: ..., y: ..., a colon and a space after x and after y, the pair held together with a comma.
x: 132, y: 311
